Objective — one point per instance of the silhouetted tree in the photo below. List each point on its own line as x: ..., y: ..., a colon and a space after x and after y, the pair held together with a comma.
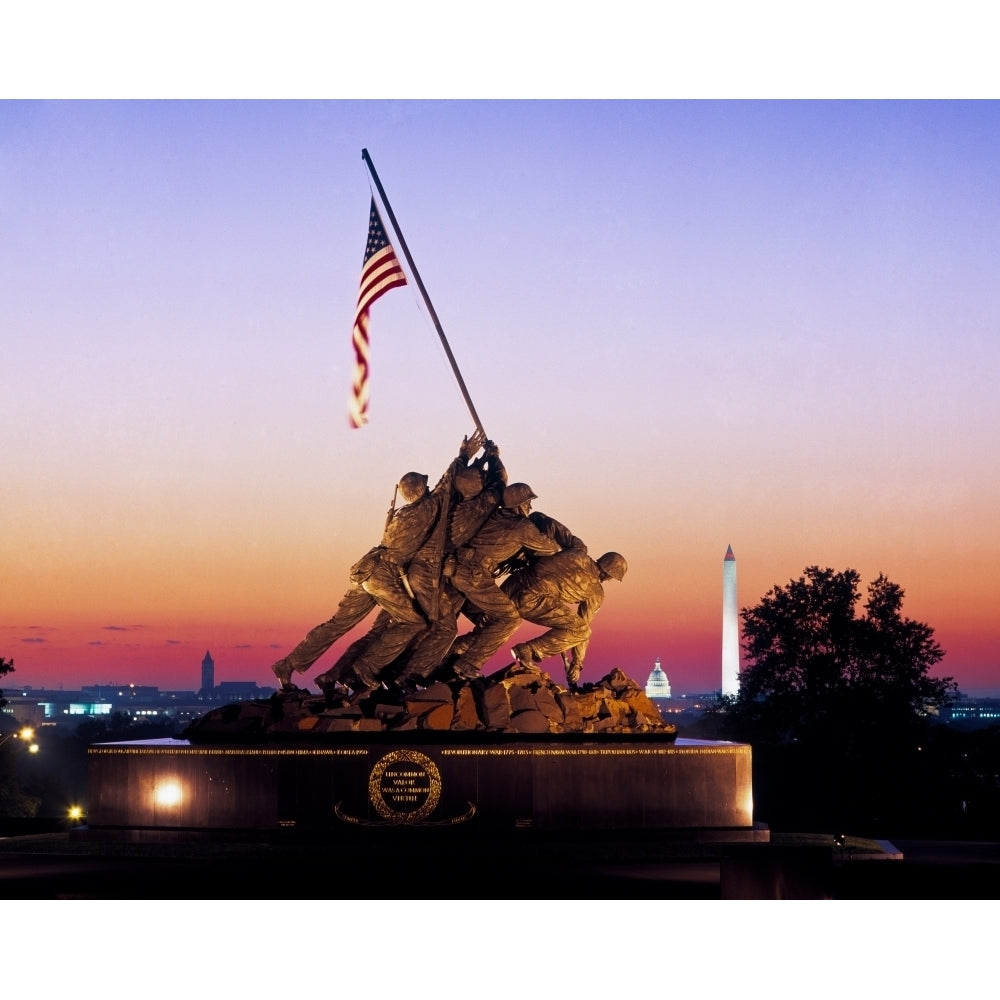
x: 816, y: 670
x: 838, y: 702
x: 6, y: 667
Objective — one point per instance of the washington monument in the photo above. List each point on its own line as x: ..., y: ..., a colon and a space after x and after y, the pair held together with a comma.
x: 730, y: 627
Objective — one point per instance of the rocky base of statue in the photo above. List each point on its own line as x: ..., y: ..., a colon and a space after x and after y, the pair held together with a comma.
x: 516, y: 700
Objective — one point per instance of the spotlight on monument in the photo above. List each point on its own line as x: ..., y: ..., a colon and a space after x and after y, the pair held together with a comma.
x: 168, y: 793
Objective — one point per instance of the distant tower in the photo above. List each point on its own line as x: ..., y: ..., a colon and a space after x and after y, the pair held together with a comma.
x: 207, y: 673
x: 730, y: 627
x: 657, y: 686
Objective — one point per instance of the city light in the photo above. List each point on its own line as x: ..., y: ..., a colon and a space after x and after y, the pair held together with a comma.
x: 26, y: 734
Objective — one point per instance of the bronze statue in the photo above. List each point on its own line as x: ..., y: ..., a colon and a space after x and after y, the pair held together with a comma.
x: 507, y: 532
x: 478, y: 493
x: 366, y: 663
x: 379, y: 578
x: 442, y: 554
x: 543, y: 594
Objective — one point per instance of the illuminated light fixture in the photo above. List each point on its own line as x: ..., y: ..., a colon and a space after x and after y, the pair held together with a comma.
x: 75, y: 813
x: 167, y: 793
x: 27, y: 733
x: 33, y: 748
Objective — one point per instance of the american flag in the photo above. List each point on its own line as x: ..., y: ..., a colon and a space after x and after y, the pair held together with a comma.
x: 379, y: 273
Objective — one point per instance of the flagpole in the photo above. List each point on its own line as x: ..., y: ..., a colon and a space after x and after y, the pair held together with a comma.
x: 423, y: 291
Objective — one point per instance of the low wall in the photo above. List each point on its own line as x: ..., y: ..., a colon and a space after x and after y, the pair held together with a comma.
x: 615, y: 783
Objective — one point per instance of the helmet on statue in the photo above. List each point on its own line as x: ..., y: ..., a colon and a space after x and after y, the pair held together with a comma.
x: 468, y: 483
x: 517, y: 494
x: 413, y: 486
x: 613, y: 565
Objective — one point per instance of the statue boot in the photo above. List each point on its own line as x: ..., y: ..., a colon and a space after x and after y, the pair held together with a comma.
x: 283, y: 671
x: 408, y: 684
x: 466, y: 670
x: 523, y: 655
x: 357, y: 677
x: 573, y: 671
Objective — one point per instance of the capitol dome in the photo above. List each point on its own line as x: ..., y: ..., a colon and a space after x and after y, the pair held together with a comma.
x: 657, y: 686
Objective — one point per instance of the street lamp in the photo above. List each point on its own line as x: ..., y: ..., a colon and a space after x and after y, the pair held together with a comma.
x: 25, y: 733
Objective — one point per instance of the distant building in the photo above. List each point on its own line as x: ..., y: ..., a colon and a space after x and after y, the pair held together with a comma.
x: 228, y: 691
x: 39, y: 706
x: 972, y: 712
x: 658, y: 686
x: 207, y: 672
x: 44, y: 707
x: 730, y: 627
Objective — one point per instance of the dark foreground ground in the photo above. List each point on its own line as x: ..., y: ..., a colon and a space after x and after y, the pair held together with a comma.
x: 64, y: 866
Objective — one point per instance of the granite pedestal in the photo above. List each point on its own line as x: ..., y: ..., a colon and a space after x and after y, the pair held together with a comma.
x: 339, y: 787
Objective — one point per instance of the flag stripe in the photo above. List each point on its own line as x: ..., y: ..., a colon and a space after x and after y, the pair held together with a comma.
x: 379, y: 277
x: 380, y: 272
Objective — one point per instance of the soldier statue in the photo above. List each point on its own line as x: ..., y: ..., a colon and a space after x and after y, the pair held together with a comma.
x: 563, y: 592
x: 379, y: 578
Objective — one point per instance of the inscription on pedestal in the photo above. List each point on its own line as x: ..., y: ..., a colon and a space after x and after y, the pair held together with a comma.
x: 405, y: 786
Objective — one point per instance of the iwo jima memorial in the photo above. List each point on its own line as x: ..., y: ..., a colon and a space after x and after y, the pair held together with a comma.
x: 405, y: 731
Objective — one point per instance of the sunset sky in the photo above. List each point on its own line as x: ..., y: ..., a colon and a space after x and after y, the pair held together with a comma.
x: 687, y: 325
